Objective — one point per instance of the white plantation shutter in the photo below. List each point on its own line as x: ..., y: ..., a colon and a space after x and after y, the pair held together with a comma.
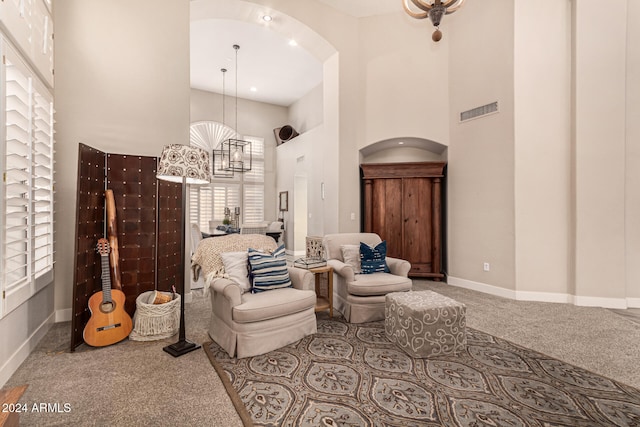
x: 253, y: 203
x: 26, y: 227
x: 17, y: 176
x: 224, y: 195
x: 244, y: 190
x: 256, y: 174
x: 205, y: 207
x: 200, y: 206
x: 194, y: 206
x: 42, y: 182
x: 253, y: 184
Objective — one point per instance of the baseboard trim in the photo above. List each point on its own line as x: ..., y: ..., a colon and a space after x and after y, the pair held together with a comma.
x: 544, y: 297
x: 618, y: 303
x: 63, y: 315
x: 481, y: 287
x: 21, y: 354
x: 633, y: 302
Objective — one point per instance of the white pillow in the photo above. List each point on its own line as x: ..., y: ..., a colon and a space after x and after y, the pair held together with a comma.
x: 236, y: 266
x: 351, y: 256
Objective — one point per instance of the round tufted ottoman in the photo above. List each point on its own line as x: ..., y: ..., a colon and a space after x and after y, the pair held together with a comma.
x: 424, y: 323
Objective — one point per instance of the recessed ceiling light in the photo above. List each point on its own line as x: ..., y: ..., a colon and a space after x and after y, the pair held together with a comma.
x: 401, y: 143
x: 267, y: 18
x: 292, y: 42
x: 253, y: 89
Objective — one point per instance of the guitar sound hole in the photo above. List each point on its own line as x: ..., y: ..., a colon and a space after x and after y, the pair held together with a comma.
x: 106, y: 307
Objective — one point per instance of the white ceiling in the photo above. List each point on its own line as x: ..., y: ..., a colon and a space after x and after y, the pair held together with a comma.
x: 362, y: 8
x: 281, y: 73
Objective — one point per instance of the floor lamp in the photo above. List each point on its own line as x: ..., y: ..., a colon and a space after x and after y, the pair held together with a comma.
x: 187, y: 165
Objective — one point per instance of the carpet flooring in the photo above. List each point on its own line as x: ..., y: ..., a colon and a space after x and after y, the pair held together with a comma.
x: 136, y: 383
x: 351, y: 375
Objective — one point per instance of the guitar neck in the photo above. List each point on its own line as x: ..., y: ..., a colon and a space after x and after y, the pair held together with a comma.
x: 106, y: 279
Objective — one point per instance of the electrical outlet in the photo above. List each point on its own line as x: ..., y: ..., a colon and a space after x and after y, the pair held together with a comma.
x: 486, y: 266
x: 353, y: 216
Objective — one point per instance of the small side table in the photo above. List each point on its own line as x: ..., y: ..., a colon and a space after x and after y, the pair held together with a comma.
x: 324, y: 303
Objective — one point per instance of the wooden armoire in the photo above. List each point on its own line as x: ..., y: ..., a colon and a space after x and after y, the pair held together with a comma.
x: 402, y: 202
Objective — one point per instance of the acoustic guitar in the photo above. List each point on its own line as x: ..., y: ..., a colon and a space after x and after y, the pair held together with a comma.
x: 109, y: 322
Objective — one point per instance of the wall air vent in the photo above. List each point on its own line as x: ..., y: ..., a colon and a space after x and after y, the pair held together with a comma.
x: 474, y: 113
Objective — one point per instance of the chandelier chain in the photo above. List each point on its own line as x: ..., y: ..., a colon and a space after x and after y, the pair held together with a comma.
x: 236, y: 47
x: 224, y: 72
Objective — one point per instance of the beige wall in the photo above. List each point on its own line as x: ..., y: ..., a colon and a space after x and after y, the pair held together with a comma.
x: 131, y: 85
x: 403, y: 78
x: 481, y: 225
x: 323, y: 32
x: 600, y: 78
x: 402, y: 155
x: 521, y: 187
x: 546, y: 190
x: 254, y: 119
x: 632, y: 154
x: 341, y: 132
x: 23, y: 328
x: 122, y: 86
x: 542, y: 162
x: 307, y: 112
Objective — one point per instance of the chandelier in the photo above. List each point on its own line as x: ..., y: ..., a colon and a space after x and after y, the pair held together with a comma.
x: 220, y: 157
x: 236, y: 155
x: 435, y: 10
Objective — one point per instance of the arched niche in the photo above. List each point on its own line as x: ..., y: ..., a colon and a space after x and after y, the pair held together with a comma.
x: 400, y: 150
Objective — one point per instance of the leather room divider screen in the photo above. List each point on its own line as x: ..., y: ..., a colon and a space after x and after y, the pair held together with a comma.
x: 147, y: 226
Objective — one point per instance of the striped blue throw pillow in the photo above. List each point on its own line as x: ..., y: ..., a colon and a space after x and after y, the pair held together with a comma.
x: 374, y: 260
x: 268, y: 271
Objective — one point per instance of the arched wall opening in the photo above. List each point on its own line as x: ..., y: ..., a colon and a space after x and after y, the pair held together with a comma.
x: 398, y: 151
x: 319, y: 144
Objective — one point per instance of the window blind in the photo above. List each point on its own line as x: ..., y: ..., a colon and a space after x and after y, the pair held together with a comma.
x: 194, y: 206
x: 244, y: 190
x: 42, y: 183
x: 224, y: 195
x: 17, y: 176
x: 27, y: 196
x: 253, y: 184
x: 253, y: 203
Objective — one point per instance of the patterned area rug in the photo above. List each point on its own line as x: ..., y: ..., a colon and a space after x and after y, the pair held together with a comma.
x: 351, y: 375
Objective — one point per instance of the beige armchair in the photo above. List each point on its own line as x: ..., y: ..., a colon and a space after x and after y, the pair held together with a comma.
x: 246, y: 324
x: 360, y: 297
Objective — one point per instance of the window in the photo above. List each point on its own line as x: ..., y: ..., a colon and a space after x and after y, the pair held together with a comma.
x: 253, y: 184
x: 224, y: 195
x: 26, y: 225
x: 244, y: 190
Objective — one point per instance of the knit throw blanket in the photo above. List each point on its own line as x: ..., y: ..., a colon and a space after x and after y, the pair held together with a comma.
x: 207, y: 259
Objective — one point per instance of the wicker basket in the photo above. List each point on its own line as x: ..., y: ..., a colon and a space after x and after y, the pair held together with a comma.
x: 155, y: 321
